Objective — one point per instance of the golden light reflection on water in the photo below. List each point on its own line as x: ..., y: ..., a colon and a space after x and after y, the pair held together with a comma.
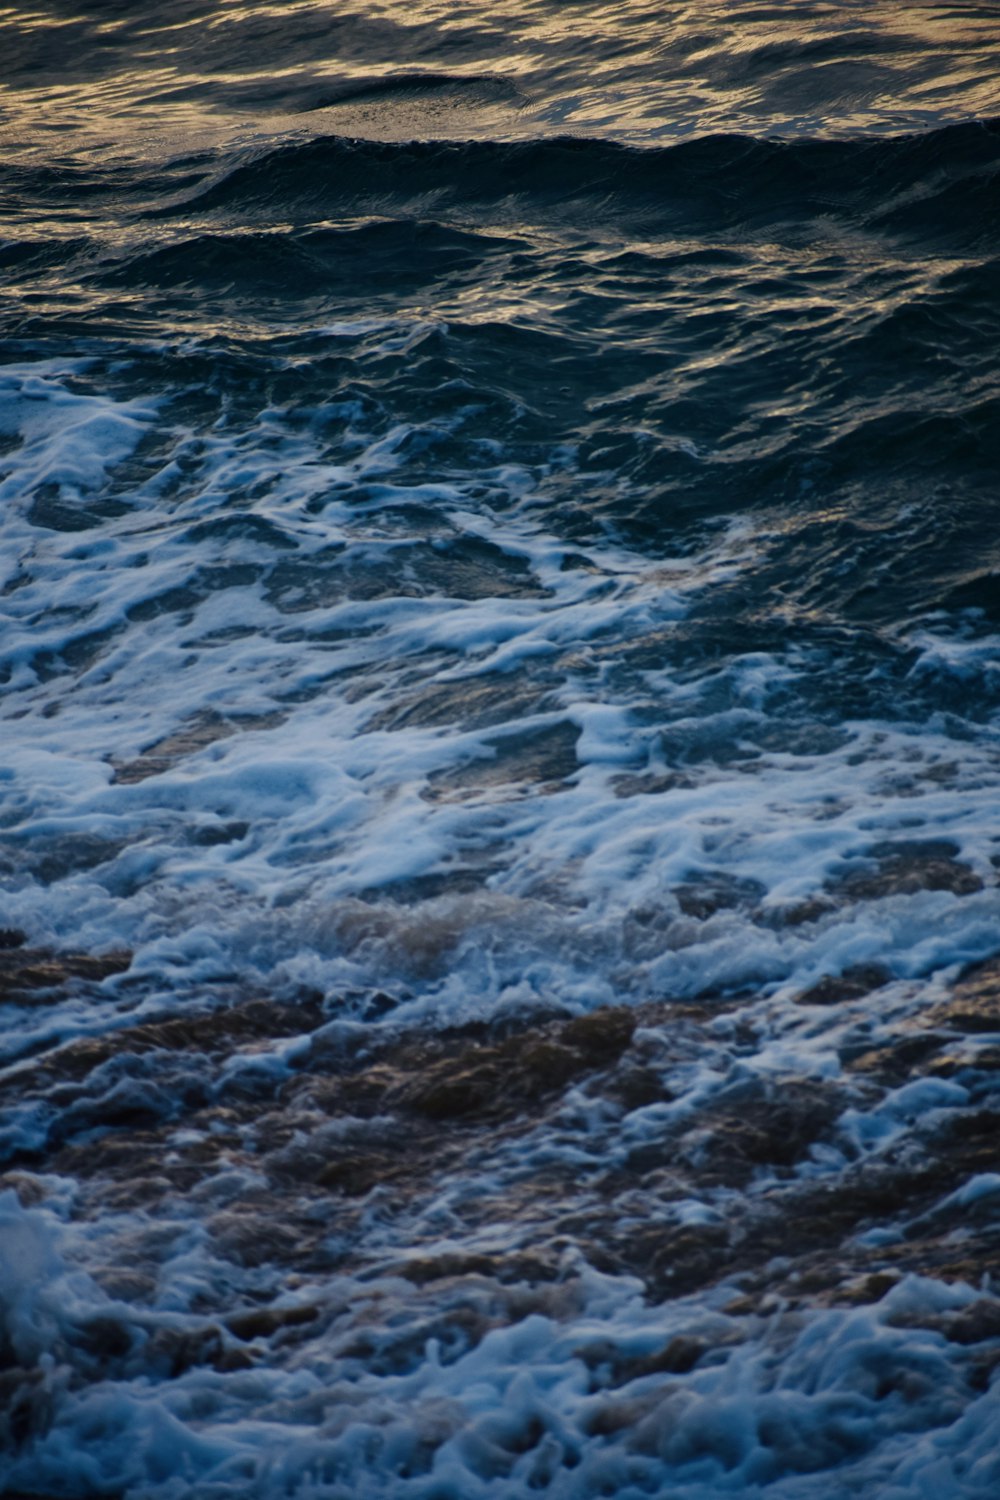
x: 198, y: 74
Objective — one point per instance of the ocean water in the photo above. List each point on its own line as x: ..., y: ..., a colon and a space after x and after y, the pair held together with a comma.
x: 500, y: 724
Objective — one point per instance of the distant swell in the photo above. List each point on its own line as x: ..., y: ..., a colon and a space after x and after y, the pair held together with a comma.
x: 394, y: 251
x: 942, y: 183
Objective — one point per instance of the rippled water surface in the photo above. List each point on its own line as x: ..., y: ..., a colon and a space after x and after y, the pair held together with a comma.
x: 499, y: 696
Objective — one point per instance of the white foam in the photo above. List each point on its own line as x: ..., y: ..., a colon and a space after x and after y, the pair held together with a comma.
x: 867, y: 1392
x: 336, y: 810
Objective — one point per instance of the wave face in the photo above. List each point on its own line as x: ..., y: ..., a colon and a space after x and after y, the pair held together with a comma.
x: 499, y: 624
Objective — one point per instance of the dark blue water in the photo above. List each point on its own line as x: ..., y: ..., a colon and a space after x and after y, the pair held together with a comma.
x: 499, y: 621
